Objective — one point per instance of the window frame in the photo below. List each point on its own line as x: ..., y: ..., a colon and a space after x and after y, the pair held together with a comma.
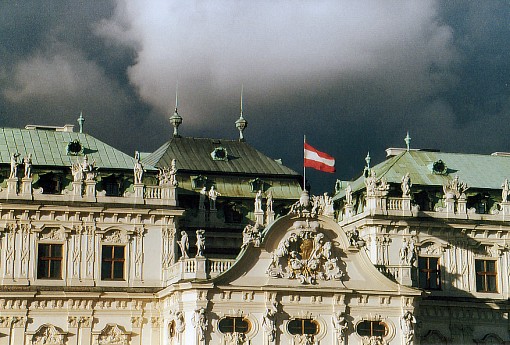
x: 484, y: 276
x: 235, y: 329
x: 372, y: 332
x: 112, y: 261
x: 303, y: 327
x: 428, y: 271
x: 47, y: 260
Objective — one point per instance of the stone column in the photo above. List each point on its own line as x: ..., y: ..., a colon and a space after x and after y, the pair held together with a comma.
x: 86, y: 329
x: 72, y: 327
x: 155, y: 330
x: 18, y: 329
x: 259, y: 217
x: 136, y: 326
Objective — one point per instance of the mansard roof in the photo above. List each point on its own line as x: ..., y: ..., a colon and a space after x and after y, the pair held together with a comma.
x: 49, y: 147
x: 478, y: 171
x: 196, y: 155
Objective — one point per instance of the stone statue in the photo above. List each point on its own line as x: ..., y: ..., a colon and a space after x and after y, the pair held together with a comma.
x: 89, y: 170
x: 138, y: 168
x: 203, y: 194
x: 184, y: 244
x: 213, y: 194
x: 251, y: 234
x: 14, y: 165
x: 269, y: 321
x: 407, y: 255
x: 180, y: 324
x: 340, y: 326
x: 406, y: 185
x: 348, y: 195
x: 77, y: 172
x: 27, y: 162
x: 200, y: 323
x: 338, y: 186
x: 173, y: 173
x: 407, y: 322
x: 200, y: 243
x: 258, y: 201
x: 455, y: 188
x: 269, y: 203
x: 505, y: 190
x: 371, y: 183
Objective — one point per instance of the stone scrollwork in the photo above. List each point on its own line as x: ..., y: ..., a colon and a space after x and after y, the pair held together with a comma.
x: 112, y: 335
x: 305, y: 254
x: 114, y: 236
x: 47, y: 335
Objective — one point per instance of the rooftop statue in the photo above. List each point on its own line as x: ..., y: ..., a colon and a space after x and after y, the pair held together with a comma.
x: 14, y: 165
x: 504, y: 192
x: 455, y: 189
x: 27, y: 162
x: 138, y: 169
x: 406, y: 185
x: 184, y: 244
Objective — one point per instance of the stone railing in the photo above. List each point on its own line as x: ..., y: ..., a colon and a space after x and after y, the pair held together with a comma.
x: 85, y: 191
x: 198, y: 268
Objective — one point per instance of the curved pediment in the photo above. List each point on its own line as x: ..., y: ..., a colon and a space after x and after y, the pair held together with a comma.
x: 298, y: 252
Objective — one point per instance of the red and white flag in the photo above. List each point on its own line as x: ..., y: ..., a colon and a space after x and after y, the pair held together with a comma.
x: 318, y: 160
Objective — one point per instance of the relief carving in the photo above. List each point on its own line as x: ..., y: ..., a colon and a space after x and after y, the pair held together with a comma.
x: 306, y: 255
x: 47, y: 335
x: 112, y: 335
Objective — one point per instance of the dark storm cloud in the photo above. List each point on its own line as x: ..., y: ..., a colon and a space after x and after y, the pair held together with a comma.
x: 353, y: 75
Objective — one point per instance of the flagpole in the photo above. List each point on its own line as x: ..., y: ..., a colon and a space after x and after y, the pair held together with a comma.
x: 304, y: 167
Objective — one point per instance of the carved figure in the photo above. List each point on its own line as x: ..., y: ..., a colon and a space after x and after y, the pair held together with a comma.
x: 407, y: 252
x: 77, y: 172
x: 200, y: 323
x: 406, y: 185
x: 234, y: 338
x: 111, y: 335
x: 269, y: 203
x: 371, y: 183
x: 200, y: 243
x: 407, y: 322
x: 338, y: 186
x: 47, y: 335
x: 203, y: 194
x: 251, y: 234
x: 269, y: 321
x: 184, y: 244
x: 27, y: 162
x: 138, y: 168
x: 340, y: 326
x: 213, y: 194
x: 180, y: 324
x: 354, y: 239
x: 455, y: 188
x: 303, y: 339
x: 173, y: 173
x: 258, y: 201
x: 14, y: 165
x: 88, y: 169
x: 505, y: 190
x: 348, y: 195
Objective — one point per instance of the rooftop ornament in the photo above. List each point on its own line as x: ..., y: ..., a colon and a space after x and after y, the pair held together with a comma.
x: 407, y: 140
x: 176, y: 119
x: 81, y: 120
x: 241, y: 123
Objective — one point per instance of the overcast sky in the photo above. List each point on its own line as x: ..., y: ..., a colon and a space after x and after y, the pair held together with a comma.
x: 353, y: 76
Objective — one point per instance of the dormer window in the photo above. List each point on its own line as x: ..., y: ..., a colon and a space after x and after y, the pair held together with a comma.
x: 74, y: 148
x: 220, y: 154
x: 439, y: 167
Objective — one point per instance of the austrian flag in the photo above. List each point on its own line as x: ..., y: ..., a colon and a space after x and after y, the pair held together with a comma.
x: 318, y: 160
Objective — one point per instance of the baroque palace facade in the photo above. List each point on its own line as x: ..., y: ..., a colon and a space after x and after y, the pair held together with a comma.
x: 209, y: 241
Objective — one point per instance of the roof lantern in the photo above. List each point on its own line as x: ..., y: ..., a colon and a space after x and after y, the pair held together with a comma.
x: 241, y: 123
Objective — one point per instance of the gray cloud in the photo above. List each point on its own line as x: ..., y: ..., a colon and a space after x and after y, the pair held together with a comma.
x: 353, y: 76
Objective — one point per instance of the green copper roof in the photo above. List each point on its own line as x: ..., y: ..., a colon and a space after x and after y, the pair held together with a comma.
x: 194, y: 154
x: 476, y: 170
x: 49, y: 148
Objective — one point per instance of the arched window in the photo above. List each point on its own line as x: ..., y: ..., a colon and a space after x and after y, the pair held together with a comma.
x: 369, y: 328
x: 234, y: 324
x: 303, y: 326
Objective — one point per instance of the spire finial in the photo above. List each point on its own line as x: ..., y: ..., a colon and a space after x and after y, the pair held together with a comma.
x: 81, y: 120
x: 241, y: 123
x: 367, y: 159
x: 407, y: 140
x: 176, y: 119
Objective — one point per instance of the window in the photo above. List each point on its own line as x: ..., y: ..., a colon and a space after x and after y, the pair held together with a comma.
x: 303, y: 326
x: 369, y: 328
x: 429, y: 273
x: 112, y: 264
x: 111, y: 186
x: 234, y: 324
x: 486, y: 276
x: 50, y: 183
x: 49, y: 261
